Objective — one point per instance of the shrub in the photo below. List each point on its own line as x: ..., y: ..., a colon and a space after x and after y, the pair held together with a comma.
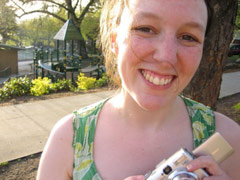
x: 102, y: 81
x: 15, y: 87
x: 23, y: 86
x: 85, y: 83
x: 64, y: 85
x: 40, y: 86
x: 237, y: 106
x: 3, y: 164
x: 3, y: 95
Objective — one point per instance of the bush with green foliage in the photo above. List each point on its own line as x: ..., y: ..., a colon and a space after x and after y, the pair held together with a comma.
x: 85, y: 83
x: 15, y: 87
x: 62, y: 85
x: 23, y: 86
x: 103, y: 81
x: 44, y: 86
x: 237, y: 106
x: 237, y: 110
x: 40, y: 86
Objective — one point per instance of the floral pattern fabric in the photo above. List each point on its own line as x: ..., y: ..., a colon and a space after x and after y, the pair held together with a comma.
x: 84, y: 125
x: 202, y: 119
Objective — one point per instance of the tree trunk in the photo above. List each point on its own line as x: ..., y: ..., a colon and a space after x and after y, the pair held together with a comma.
x: 83, y: 47
x: 82, y: 42
x: 5, y: 38
x: 205, y: 85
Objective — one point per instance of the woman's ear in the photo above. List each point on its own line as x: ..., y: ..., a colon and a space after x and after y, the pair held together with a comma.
x: 114, y: 46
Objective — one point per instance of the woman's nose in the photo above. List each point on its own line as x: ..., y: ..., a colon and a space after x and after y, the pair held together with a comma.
x: 165, y: 49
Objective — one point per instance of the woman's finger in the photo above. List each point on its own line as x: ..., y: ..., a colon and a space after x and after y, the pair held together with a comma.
x: 135, y: 178
x: 207, y: 163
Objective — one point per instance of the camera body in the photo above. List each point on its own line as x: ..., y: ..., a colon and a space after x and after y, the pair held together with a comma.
x: 174, y: 168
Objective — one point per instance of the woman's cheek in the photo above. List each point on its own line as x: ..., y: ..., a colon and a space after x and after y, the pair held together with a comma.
x: 190, y: 57
x: 140, y: 46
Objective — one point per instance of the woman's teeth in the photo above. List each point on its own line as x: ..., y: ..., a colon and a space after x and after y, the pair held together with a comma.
x: 156, y: 80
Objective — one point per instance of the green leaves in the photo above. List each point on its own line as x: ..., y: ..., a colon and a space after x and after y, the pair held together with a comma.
x: 8, y: 25
x: 15, y: 87
x: 44, y: 86
x: 237, y: 106
x: 40, y: 86
x: 23, y: 86
x: 85, y: 83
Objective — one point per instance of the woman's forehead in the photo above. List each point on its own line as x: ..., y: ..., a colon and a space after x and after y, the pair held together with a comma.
x: 168, y: 5
x: 194, y: 10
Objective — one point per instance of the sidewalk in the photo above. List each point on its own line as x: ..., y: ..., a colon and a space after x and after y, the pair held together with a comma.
x: 230, y: 84
x: 24, y: 128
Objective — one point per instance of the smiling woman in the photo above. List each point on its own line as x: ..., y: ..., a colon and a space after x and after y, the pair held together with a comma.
x: 152, y: 53
x: 164, y: 49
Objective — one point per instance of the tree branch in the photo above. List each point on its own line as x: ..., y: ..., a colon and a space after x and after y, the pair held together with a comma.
x: 17, y: 5
x: 44, y: 12
x: 85, y: 10
x: 62, y: 5
x: 71, y: 11
x: 76, y: 5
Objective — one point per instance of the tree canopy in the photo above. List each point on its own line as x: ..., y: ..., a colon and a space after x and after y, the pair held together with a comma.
x: 38, y: 31
x: 74, y: 8
x: 8, y: 23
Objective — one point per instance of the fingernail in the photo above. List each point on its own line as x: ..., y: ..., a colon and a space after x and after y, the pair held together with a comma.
x: 189, y: 167
x: 140, y: 178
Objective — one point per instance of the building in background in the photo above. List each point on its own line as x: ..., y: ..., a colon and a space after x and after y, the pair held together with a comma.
x: 8, y: 60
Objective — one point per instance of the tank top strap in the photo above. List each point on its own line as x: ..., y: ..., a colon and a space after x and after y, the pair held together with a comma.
x: 202, y: 120
x: 84, y: 126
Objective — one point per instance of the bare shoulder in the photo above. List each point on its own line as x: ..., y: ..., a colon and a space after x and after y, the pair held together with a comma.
x: 63, y: 126
x: 57, y: 157
x: 231, y: 132
x: 226, y: 126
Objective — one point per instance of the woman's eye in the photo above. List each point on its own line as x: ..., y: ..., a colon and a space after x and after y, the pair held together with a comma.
x: 188, y: 38
x: 144, y: 29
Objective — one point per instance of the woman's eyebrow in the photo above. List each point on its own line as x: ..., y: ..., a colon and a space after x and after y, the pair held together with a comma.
x: 195, y: 25
x: 191, y: 24
x: 147, y: 15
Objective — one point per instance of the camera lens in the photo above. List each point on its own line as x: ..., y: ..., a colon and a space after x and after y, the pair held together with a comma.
x: 167, y: 170
x: 181, y: 174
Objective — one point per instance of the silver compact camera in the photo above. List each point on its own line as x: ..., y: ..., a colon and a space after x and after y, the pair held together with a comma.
x: 174, y: 168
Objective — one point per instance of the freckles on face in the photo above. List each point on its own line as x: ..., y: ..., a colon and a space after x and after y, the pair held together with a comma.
x: 150, y: 36
x: 188, y: 65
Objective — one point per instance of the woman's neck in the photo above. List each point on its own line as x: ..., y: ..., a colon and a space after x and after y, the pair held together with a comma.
x: 129, y: 111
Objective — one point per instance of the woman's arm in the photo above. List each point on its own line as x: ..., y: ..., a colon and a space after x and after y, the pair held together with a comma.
x: 57, y: 158
x: 229, y: 168
x: 231, y: 132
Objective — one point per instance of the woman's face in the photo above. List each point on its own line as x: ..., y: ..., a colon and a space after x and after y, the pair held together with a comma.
x: 159, y: 47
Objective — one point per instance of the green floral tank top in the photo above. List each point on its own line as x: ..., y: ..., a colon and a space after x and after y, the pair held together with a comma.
x: 84, y: 125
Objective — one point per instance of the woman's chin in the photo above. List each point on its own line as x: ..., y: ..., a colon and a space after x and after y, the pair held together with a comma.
x: 152, y: 104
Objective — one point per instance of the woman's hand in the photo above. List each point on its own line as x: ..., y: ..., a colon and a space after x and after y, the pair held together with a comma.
x: 208, y: 163
x: 135, y: 178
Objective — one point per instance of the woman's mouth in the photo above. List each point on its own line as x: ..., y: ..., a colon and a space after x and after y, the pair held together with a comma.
x: 159, y: 80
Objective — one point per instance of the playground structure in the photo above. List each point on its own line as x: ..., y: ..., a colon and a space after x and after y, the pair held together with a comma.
x: 66, y: 58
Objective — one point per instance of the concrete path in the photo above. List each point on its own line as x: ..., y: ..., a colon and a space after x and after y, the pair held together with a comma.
x: 24, y: 128
x: 230, y: 84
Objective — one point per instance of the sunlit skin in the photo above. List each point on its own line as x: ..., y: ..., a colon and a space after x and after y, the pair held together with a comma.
x: 160, y: 43
x: 158, y: 46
